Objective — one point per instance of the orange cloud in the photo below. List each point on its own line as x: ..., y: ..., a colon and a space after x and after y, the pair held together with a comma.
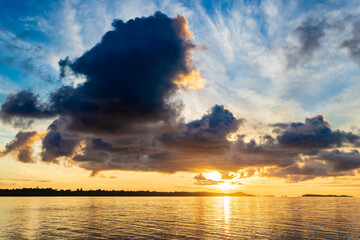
x: 192, y: 80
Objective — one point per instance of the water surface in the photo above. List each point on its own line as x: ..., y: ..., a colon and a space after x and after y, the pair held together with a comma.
x: 179, y: 217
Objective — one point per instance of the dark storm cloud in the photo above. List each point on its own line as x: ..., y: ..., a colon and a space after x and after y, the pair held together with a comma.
x: 202, y: 142
x: 342, y: 161
x: 130, y: 76
x: 313, y: 145
x: 54, y: 145
x: 209, y: 132
x: 325, y: 164
x: 183, y: 147
x: 21, y: 106
x: 220, y: 122
x: 98, y: 144
x: 57, y: 142
x: 21, y: 146
x: 353, y: 44
x: 309, y: 34
x: 296, y: 173
x: 315, y: 133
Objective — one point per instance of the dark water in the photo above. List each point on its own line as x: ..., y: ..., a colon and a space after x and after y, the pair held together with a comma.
x: 179, y: 218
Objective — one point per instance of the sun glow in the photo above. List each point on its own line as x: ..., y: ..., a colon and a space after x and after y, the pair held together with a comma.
x: 192, y: 80
x: 226, y: 186
x: 223, y: 184
x: 214, y: 175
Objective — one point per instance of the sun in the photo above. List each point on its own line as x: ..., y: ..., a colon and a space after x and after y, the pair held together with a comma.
x: 225, y: 185
x: 213, y: 175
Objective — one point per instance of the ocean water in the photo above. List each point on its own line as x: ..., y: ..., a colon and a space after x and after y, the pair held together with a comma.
x: 179, y: 218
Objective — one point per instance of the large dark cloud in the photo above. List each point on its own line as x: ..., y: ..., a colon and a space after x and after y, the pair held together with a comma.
x: 184, y: 147
x: 130, y: 76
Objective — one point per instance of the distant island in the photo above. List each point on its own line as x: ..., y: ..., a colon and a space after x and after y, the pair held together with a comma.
x: 318, y: 195
x: 38, y: 192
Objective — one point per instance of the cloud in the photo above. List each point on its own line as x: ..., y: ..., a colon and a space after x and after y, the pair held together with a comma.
x: 228, y: 179
x: 178, y: 147
x: 219, y: 122
x: 21, y: 106
x: 21, y: 146
x: 201, y: 180
x: 24, y: 180
x: 130, y: 76
x: 296, y: 152
x: 309, y: 34
x: 126, y: 114
x: 315, y: 133
x: 353, y: 44
x: 302, y: 151
x: 55, y: 145
x: 326, y: 163
x: 342, y: 161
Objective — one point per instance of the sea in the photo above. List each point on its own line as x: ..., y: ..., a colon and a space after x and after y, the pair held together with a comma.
x: 179, y: 218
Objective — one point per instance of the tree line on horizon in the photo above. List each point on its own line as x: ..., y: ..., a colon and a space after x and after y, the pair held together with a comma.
x: 100, y: 192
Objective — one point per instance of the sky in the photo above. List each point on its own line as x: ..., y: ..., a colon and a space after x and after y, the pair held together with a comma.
x: 252, y: 96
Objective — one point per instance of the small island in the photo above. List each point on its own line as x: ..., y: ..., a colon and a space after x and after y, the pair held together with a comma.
x: 39, y: 192
x: 319, y: 195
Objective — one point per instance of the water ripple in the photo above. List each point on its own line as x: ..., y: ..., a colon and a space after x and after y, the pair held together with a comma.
x: 178, y: 218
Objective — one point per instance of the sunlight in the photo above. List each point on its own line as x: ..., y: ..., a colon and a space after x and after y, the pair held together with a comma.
x: 214, y: 175
x: 226, y: 186
x: 223, y: 185
x: 226, y: 207
x: 192, y: 80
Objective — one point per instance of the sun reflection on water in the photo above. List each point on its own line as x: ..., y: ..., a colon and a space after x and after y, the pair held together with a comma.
x: 226, y: 214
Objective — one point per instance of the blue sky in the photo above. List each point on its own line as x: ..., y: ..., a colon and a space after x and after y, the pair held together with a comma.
x: 266, y: 61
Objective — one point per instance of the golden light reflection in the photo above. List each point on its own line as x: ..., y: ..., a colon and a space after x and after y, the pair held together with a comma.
x: 182, y: 26
x: 192, y: 80
x: 226, y: 214
x: 226, y: 208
